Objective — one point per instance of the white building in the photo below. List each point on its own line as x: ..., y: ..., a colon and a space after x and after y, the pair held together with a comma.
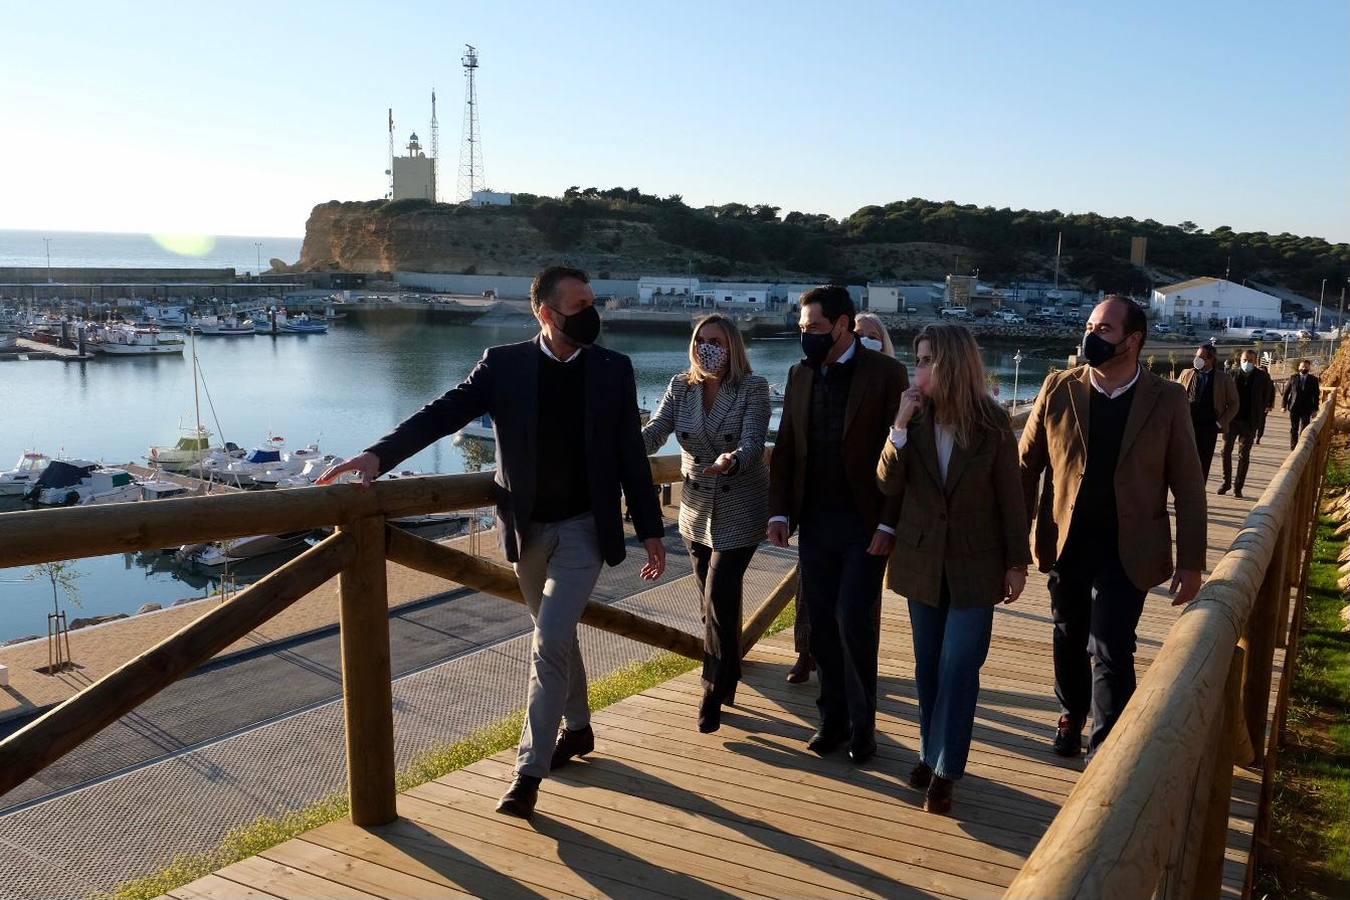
x: 490, y: 198
x: 884, y: 298
x: 1202, y: 299
x: 731, y: 295
x: 658, y: 288
x: 414, y: 174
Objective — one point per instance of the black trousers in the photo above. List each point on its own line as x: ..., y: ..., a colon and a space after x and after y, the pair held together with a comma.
x: 1206, y: 436
x: 1243, y: 435
x: 1297, y: 422
x: 801, y: 628
x: 721, y: 577
x: 841, y: 589
x: 1096, y: 610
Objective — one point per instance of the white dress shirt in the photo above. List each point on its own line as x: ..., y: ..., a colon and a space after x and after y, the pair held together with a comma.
x: 543, y: 345
x: 943, y: 436
x: 1111, y: 395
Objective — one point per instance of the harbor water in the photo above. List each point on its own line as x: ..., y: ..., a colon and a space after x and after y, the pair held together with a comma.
x: 341, y: 390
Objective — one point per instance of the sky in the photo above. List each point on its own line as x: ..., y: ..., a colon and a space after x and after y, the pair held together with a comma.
x: 237, y: 118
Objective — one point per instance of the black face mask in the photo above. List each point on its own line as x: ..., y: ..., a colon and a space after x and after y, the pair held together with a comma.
x: 1097, y: 350
x: 817, y: 346
x: 581, y: 328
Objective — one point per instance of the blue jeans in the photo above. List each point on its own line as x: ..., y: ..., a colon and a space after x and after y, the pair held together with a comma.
x: 950, y: 646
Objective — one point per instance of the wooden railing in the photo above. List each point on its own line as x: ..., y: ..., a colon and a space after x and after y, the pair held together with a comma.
x: 1150, y: 814
x: 356, y: 553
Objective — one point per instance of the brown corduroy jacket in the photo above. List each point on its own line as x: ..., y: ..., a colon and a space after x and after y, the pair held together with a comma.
x: 1157, y: 455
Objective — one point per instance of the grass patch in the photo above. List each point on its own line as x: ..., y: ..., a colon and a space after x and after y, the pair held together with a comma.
x: 269, y: 831
x: 1309, y: 855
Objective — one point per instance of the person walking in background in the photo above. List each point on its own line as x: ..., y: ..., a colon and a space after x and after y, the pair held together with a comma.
x: 1267, y: 405
x: 1302, y: 396
x: 960, y: 543
x: 841, y: 400
x: 719, y: 410
x: 569, y: 439
x: 873, y: 335
x: 1116, y: 439
x: 1253, y: 386
x: 1213, y: 399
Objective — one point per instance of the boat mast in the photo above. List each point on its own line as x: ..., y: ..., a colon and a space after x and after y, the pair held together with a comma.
x: 196, y: 401
x: 1059, y: 245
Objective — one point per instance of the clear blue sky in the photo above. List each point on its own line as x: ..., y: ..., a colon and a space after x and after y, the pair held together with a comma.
x: 236, y: 118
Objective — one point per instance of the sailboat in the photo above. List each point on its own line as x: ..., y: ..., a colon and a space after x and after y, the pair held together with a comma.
x: 194, y: 447
x: 1054, y: 296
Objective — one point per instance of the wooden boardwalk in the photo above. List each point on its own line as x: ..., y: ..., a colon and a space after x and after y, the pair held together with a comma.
x: 662, y: 811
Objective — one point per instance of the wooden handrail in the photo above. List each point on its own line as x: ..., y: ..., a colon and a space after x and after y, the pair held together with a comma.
x: 61, y: 729
x: 455, y: 565
x: 34, y: 536
x: 1115, y: 834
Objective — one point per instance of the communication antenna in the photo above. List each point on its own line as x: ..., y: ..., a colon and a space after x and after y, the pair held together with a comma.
x: 435, y: 151
x: 390, y: 171
x: 470, y: 149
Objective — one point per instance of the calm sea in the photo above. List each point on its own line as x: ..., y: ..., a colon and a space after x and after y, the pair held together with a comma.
x: 341, y: 390
x: 165, y: 251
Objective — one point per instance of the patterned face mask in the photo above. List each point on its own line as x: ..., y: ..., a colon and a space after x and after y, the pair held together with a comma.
x: 712, y: 357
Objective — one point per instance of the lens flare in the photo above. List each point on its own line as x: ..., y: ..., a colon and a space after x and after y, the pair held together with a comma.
x: 186, y: 244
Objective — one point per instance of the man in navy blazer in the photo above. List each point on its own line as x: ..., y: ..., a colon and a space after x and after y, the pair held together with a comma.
x: 569, y: 440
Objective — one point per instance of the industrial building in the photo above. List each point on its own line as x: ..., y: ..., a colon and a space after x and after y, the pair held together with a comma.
x: 1201, y: 300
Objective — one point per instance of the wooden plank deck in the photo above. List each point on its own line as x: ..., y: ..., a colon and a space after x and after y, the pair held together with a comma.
x: 661, y: 810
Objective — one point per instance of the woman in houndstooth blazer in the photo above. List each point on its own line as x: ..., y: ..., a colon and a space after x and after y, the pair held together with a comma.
x: 719, y: 411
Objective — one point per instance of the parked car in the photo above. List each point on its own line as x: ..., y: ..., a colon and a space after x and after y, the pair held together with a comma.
x: 955, y: 312
x: 1010, y: 318
x: 1305, y: 335
x: 1049, y: 312
x: 1162, y: 328
x: 1258, y: 334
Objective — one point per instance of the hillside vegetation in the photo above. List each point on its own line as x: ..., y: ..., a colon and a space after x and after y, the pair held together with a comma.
x: 622, y: 232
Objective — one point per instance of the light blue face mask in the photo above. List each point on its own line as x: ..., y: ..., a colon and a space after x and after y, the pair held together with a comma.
x: 872, y: 343
x: 1247, y: 366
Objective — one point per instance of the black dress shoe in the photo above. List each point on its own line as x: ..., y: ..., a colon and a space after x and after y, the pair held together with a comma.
x: 709, y: 713
x: 862, y: 746
x: 827, y: 740
x: 520, y: 798
x: 730, y: 698
x: 1068, y: 737
x: 801, y: 670
x: 1223, y: 488
x: 1237, y: 492
x: 572, y: 743
x: 939, y: 797
x: 921, y: 776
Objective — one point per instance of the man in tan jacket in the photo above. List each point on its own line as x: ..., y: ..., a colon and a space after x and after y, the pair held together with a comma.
x: 1115, y: 439
x: 1214, y: 401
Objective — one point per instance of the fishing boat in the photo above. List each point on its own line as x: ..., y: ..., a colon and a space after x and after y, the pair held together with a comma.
x: 15, y: 482
x: 222, y: 326
x: 128, y: 340
x: 164, y: 315
x: 302, y: 324
x: 161, y: 489
x: 193, y: 447
x: 242, y: 471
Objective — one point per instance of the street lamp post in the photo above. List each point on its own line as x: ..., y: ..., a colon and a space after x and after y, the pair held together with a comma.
x: 48, y: 243
x: 1017, y: 371
x: 257, y: 245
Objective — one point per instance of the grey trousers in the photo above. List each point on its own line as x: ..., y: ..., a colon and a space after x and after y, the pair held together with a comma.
x: 559, y: 565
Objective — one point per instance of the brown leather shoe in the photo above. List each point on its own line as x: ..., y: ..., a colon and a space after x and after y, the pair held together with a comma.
x: 801, y: 670
x: 938, y: 800
x: 570, y: 744
x: 921, y: 776
x: 1068, y: 737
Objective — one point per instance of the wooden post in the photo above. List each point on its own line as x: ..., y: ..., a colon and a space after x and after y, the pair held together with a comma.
x: 773, y: 604
x: 367, y: 692
x: 1209, y: 872
x: 1258, y: 643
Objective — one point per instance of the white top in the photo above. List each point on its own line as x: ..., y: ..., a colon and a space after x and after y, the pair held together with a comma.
x: 943, y: 436
x: 543, y: 345
x: 1111, y: 395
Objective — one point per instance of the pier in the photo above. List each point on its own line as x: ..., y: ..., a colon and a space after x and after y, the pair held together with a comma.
x: 1174, y: 803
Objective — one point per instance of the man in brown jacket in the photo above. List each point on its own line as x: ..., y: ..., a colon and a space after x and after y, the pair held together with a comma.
x: 837, y: 413
x: 1116, y: 439
x: 1214, y: 401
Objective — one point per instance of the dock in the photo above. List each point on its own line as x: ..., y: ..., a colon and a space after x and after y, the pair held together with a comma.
x: 65, y: 354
